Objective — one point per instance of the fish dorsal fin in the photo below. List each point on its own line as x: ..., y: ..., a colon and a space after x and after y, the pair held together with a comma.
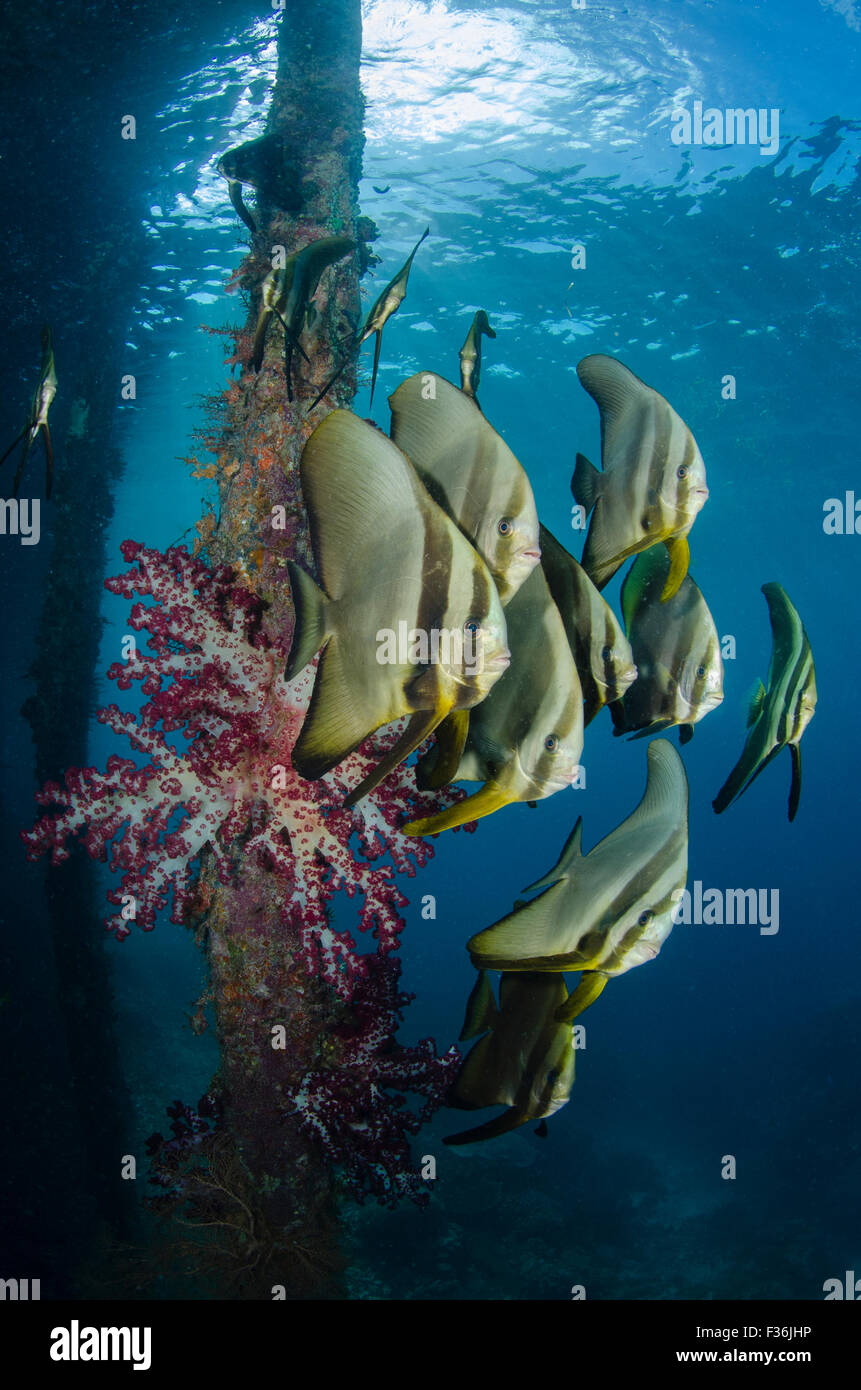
x: 615, y: 391
x: 355, y: 476
x: 754, y: 703
x: 666, y: 794
x: 481, y: 1010
x: 572, y: 852
x: 643, y: 582
x: 786, y: 627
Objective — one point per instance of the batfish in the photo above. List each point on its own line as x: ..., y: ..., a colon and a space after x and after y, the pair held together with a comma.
x: 779, y: 714
x: 387, y: 304
x: 653, y: 479
x: 525, y: 739
x: 609, y: 910
x: 262, y: 164
x: 37, y: 418
x: 387, y: 556
x: 676, y: 648
x: 471, y: 472
x: 470, y: 355
x: 597, y: 639
x: 525, y: 1059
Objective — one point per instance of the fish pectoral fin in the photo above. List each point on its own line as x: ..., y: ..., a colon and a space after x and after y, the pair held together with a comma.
x: 585, y: 483
x: 591, y: 984
x: 755, y: 701
x: 420, y: 725
x: 450, y: 743
x: 490, y: 798
x: 795, y: 784
x: 680, y: 559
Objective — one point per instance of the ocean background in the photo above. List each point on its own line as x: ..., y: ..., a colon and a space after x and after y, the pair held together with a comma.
x: 516, y: 132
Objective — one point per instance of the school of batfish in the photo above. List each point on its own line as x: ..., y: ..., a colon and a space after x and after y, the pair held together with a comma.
x: 533, y: 652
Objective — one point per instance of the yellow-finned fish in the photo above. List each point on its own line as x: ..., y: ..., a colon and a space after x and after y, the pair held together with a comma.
x: 384, y: 306
x: 653, y: 479
x: 526, y: 737
x: 597, y: 639
x: 525, y: 1060
x: 391, y: 565
x: 611, y: 909
x: 779, y: 714
x: 37, y: 418
x: 471, y: 472
x: 470, y: 355
x: 676, y: 648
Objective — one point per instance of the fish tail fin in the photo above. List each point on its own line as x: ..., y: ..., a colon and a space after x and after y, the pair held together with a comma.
x: 310, y: 631
x: 482, y: 803
x: 49, y: 461
x: 795, y: 785
x: 591, y: 984
x: 686, y: 733
x: 585, y: 483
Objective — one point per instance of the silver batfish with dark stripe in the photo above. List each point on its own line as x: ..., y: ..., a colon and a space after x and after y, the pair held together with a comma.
x: 780, y: 713
x: 471, y: 472
x: 597, y: 639
x: 676, y: 648
x: 386, y: 555
x: 653, y: 479
x: 526, y: 738
x: 524, y: 1061
x: 609, y: 910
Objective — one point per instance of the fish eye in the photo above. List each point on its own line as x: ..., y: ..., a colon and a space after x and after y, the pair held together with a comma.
x: 681, y: 471
x: 472, y: 625
x: 551, y: 743
x: 645, y: 917
x: 505, y: 526
x: 701, y: 670
x: 606, y: 653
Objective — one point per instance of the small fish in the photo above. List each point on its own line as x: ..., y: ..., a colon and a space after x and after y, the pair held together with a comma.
x: 471, y: 472
x: 676, y: 648
x: 470, y: 355
x: 526, y: 737
x: 287, y: 294
x: 381, y: 190
x: 653, y: 482
x: 37, y: 418
x: 597, y: 639
x: 525, y: 1060
x: 263, y: 165
x: 779, y: 714
x: 609, y: 910
x: 386, y: 554
x: 387, y: 304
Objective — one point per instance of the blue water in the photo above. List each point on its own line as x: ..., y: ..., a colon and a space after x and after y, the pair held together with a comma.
x: 516, y: 132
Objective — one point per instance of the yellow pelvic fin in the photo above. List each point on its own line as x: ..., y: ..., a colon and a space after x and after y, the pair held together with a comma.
x: 482, y: 803
x: 417, y: 730
x: 591, y: 984
x: 680, y: 559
